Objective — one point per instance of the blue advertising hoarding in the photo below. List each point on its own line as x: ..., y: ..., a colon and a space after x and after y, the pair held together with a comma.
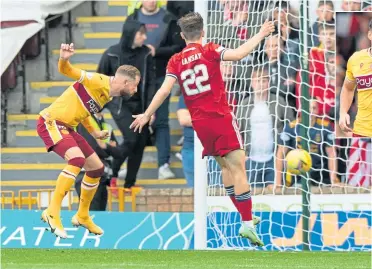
x: 349, y: 231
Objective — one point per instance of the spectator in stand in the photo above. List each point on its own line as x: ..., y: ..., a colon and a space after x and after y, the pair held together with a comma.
x: 325, y: 13
x: 282, y: 69
x: 351, y: 5
x: 286, y: 19
x: 163, y: 40
x: 322, y: 75
x: 322, y: 85
x: 130, y: 50
x: 260, y: 115
x: 321, y: 144
x: 327, y: 34
x: 135, y: 4
x: 187, y: 152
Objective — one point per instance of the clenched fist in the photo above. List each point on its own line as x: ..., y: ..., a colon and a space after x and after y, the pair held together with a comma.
x: 102, y: 135
x: 66, y: 51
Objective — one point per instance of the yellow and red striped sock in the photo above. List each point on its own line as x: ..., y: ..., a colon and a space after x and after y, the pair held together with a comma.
x: 64, y: 183
x: 89, y: 187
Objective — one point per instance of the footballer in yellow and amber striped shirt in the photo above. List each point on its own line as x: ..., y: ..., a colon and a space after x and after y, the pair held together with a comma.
x: 86, y: 96
x: 359, y: 76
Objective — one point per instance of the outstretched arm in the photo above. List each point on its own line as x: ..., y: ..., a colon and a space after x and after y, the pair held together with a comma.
x: 243, y: 51
x: 64, y: 65
x: 165, y: 89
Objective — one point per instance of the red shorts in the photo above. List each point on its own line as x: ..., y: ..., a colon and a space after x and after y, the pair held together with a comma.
x: 219, y: 136
x: 53, y: 132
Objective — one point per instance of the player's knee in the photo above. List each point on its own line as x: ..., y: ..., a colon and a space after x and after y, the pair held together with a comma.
x: 77, y: 161
x: 96, y: 173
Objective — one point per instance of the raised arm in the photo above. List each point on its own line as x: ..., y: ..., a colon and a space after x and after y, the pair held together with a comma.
x: 245, y: 49
x: 64, y: 65
x: 165, y: 89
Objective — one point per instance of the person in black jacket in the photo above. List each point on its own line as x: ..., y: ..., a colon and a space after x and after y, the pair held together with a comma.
x: 130, y: 50
x: 164, y: 40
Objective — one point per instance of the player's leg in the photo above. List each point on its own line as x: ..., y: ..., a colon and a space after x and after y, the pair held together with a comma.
x: 235, y: 161
x: 227, y: 179
x: 94, y: 171
x: 228, y: 182
x: 65, y: 181
x: 65, y: 146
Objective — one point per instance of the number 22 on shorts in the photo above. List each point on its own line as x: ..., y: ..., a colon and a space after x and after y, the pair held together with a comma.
x: 195, y: 76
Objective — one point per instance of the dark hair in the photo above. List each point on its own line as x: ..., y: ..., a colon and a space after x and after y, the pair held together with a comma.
x: 283, y: 5
x: 142, y: 29
x: 327, y: 25
x: 129, y: 71
x: 370, y: 25
x: 191, y: 26
x: 326, y: 3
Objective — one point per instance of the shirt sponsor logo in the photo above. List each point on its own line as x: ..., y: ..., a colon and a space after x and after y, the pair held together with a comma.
x: 364, y: 82
x: 89, y: 103
x: 93, y: 108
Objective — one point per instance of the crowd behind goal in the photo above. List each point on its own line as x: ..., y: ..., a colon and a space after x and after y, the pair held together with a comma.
x: 264, y: 89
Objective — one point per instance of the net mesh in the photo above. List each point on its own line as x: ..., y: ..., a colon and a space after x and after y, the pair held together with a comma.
x: 264, y: 91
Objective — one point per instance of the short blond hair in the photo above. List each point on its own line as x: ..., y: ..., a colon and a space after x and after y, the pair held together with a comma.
x: 191, y: 26
x: 129, y: 71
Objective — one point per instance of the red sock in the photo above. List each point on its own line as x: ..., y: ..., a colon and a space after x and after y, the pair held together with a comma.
x: 233, y: 199
x: 231, y: 194
x: 244, y: 205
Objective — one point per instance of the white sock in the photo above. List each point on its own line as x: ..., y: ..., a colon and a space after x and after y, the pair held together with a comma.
x: 248, y: 223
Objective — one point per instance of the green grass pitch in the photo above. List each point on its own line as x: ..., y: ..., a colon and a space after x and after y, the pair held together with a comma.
x: 142, y: 259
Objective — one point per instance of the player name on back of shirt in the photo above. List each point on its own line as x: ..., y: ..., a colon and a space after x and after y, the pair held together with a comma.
x: 191, y: 58
x: 364, y: 82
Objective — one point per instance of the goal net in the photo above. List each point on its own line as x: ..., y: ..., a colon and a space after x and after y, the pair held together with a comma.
x: 266, y: 91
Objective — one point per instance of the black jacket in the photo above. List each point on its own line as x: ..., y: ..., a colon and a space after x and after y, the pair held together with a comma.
x: 141, y: 58
x: 180, y: 8
x: 170, y: 44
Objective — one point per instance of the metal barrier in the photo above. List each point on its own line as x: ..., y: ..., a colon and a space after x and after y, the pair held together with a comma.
x: 5, y: 199
x: 33, y: 198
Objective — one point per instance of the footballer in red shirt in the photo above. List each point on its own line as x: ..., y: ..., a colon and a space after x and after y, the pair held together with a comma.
x: 197, y: 70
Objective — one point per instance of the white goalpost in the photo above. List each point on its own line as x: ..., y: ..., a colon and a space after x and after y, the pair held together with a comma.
x: 332, y: 210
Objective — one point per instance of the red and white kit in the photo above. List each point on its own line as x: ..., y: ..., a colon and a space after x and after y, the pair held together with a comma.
x: 197, y: 69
